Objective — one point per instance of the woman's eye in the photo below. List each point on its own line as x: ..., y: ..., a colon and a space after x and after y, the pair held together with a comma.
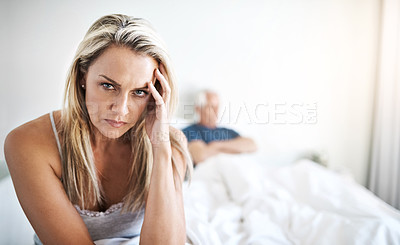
x: 140, y: 92
x: 107, y: 86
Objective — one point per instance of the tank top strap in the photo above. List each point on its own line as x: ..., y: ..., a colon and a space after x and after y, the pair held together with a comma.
x: 53, y: 125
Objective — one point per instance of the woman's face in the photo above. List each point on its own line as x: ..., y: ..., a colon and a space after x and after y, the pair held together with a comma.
x: 116, y: 90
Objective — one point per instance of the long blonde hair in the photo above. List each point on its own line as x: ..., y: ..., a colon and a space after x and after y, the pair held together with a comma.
x: 79, y: 174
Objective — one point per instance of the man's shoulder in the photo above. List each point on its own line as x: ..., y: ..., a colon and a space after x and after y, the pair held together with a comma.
x: 193, y: 132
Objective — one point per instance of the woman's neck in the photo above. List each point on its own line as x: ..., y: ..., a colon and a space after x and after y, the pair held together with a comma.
x: 103, y: 143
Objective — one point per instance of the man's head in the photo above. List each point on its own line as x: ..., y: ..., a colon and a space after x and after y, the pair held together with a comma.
x: 207, y: 104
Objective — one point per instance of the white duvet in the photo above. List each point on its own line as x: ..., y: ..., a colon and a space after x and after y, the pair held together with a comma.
x: 239, y: 199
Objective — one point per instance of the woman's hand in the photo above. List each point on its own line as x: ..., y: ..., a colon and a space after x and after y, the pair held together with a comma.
x: 157, y: 121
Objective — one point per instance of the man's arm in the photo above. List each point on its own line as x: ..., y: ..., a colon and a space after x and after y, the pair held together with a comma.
x: 200, y: 151
x: 236, y: 145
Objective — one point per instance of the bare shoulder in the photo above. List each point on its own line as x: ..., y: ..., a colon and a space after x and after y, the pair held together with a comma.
x: 35, y: 167
x: 33, y: 140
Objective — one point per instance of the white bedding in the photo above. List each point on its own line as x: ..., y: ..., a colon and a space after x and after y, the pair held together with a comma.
x: 240, y: 199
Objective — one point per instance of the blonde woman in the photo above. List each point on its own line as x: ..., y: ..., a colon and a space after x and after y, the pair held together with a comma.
x: 106, y: 166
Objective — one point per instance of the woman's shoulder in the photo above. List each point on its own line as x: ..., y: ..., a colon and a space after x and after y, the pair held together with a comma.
x: 37, y: 130
x: 32, y: 140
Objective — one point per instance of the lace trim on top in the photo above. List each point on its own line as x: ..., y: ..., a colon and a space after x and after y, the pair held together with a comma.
x: 111, y: 209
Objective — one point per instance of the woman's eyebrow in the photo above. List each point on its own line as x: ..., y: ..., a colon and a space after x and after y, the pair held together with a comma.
x: 117, y: 84
x: 110, y: 80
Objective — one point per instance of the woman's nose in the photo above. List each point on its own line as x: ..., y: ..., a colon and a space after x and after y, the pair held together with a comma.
x: 121, y: 105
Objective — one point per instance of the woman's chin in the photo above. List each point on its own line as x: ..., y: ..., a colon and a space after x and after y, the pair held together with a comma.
x: 107, y: 132
x: 113, y: 134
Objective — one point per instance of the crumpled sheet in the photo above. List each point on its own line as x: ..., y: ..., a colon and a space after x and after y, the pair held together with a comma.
x: 241, y: 199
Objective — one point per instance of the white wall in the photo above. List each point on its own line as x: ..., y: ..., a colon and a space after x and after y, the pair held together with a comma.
x: 255, y: 53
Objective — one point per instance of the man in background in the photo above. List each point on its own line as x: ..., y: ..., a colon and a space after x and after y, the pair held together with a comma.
x: 206, y: 139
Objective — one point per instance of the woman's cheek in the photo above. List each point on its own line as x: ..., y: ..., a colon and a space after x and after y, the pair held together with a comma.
x: 93, y: 104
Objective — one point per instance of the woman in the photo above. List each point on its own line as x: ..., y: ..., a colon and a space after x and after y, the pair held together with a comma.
x: 107, y: 165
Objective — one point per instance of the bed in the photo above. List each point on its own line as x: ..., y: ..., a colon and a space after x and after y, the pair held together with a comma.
x: 242, y: 199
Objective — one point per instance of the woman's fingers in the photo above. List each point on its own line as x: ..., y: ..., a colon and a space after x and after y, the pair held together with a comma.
x: 158, y: 117
x: 157, y: 97
x: 166, y: 90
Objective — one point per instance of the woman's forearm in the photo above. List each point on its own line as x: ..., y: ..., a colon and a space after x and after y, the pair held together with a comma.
x: 164, y: 219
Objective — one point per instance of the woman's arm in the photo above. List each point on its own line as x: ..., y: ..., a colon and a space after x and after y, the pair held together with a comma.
x: 164, y: 218
x: 39, y: 190
x: 164, y: 221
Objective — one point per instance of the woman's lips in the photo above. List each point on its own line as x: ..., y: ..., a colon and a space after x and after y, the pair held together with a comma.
x: 115, y: 124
